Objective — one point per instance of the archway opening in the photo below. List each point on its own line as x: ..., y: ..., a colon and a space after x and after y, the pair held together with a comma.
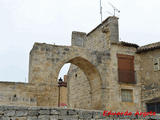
x: 83, y: 84
x: 62, y: 84
x: 64, y: 71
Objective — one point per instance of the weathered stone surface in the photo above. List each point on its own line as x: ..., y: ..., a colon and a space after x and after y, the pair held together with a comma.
x: 33, y: 112
x: 93, y: 78
x: 54, y: 112
x: 32, y: 118
x: 21, y: 113
x: 70, y: 114
x: 44, y: 112
x: 43, y: 117
x: 9, y: 113
x: 53, y: 117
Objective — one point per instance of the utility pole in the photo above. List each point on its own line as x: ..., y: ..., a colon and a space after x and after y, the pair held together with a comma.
x: 101, y: 10
x: 61, y: 83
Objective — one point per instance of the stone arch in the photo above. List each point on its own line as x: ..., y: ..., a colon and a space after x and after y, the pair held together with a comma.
x: 47, y: 60
x: 92, y: 75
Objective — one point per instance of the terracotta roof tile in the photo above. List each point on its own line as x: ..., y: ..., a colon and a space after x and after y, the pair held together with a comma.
x: 148, y: 47
x: 126, y: 44
x: 141, y: 49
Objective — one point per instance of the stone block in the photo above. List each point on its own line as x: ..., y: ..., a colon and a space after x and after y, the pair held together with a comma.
x: 33, y: 113
x: 53, y: 117
x: 54, y: 112
x: 9, y: 113
x: 44, y: 112
x: 21, y: 113
x: 32, y: 118
x: 43, y: 117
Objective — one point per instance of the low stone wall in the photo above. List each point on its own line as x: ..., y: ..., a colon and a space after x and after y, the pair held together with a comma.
x: 46, y: 113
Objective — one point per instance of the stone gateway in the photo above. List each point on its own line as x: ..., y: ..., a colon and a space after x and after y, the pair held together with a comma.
x: 105, y: 73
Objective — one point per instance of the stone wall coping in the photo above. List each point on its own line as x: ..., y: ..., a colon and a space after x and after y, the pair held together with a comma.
x: 50, y: 113
x: 11, y: 107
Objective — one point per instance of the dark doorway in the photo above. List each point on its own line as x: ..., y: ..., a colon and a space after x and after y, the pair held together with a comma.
x: 154, y: 107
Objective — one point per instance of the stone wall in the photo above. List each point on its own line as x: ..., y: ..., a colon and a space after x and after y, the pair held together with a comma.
x: 45, y: 63
x: 79, y: 89
x: 111, y: 86
x: 99, y: 39
x: 48, y: 113
x: 46, y: 60
x: 93, y: 75
x: 150, y: 78
x: 45, y: 113
x: 115, y: 87
x: 12, y: 93
x: 27, y: 94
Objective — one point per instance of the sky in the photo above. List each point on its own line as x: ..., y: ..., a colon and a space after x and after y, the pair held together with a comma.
x: 23, y: 22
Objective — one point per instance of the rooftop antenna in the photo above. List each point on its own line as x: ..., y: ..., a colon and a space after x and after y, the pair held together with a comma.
x: 109, y: 13
x: 101, y: 10
x: 25, y: 80
x: 114, y: 8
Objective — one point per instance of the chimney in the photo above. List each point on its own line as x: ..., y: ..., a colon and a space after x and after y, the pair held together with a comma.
x: 78, y: 38
x: 110, y: 25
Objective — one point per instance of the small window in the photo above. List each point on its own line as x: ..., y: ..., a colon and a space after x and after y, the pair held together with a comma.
x: 156, y: 64
x: 127, y: 95
x: 75, y: 75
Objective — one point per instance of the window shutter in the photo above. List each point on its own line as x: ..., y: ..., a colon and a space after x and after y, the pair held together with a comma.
x: 126, y: 72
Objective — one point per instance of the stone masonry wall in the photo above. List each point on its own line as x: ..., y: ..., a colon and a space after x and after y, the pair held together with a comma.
x: 98, y: 41
x: 17, y: 94
x: 27, y: 94
x: 100, y: 38
x: 47, y: 113
x: 46, y: 60
x: 79, y: 89
x: 150, y: 78
x: 115, y: 87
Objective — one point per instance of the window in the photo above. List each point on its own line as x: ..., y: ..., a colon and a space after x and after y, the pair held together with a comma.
x: 154, y: 107
x: 75, y: 75
x: 127, y: 95
x: 126, y: 72
x: 156, y: 64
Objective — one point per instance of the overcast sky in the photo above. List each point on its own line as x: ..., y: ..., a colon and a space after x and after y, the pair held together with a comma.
x: 23, y: 22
